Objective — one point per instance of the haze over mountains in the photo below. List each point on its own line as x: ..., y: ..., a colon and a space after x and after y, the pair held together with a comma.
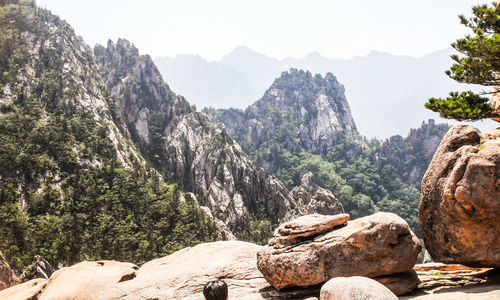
x: 386, y: 92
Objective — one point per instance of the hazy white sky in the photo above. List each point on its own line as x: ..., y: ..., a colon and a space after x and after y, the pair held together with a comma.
x: 279, y: 28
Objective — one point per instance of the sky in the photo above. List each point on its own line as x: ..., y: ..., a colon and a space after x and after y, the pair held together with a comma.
x: 277, y: 28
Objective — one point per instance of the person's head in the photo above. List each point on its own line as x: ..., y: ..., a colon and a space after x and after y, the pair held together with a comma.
x: 215, y: 290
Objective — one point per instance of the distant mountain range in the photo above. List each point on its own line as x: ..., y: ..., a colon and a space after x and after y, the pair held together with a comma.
x: 385, y: 92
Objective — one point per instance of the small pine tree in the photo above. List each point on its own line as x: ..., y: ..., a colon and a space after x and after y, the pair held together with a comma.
x: 479, y: 65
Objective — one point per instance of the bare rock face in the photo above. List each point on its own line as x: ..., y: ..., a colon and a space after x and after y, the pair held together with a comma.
x: 24, y: 291
x: 7, y: 277
x: 375, y: 245
x: 86, y: 279
x: 355, y: 288
x: 459, y: 209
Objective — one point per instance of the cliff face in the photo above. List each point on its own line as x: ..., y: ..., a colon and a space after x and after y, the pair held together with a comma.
x: 183, y: 145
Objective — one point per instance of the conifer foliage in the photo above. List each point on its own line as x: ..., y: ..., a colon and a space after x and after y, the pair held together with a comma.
x: 480, y: 64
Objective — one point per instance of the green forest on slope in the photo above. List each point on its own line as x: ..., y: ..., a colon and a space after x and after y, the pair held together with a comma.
x: 64, y: 194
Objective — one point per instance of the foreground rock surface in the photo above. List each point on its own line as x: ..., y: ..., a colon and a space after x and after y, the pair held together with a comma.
x: 27, y: 290
x: 355, y: 288
x: 183, y: 274
x: 375, y: 245
x: 460, y: 202
x: 84, y: 280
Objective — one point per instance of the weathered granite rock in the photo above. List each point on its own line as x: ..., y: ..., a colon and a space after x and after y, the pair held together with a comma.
x: 400, y: 283
x: 460, y: 202
x: 7, y: 277
x: 306, y: 226
x: 183, y: 274
x: 86, y: 279
x: 24, y: 291
x: 375, y: 245
x: 355, y: 288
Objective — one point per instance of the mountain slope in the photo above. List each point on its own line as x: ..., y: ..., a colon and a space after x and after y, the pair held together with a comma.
x: 302, y: 129
x: 72, y: 186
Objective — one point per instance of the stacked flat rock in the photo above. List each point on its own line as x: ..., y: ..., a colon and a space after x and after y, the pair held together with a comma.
x: 313, y: 249
x: 460, y: 201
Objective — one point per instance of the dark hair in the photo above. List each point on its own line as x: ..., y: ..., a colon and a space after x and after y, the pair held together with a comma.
x: 215, y: 290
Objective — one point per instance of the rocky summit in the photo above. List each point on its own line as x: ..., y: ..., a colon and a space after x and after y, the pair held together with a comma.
x: 376, y: 245
x: 460, y: 202
x: 313, y: 107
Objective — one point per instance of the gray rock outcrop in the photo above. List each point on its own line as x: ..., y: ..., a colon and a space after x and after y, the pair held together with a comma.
x: 375, y: 245
x: 310, y: 198
x: 182, y: 143
x: 459, y: 209
x: 202, y: 157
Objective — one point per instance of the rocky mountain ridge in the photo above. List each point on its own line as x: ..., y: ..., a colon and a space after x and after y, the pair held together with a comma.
x: 303, y: 124
x: 317, y: 105
x: 185, y: 147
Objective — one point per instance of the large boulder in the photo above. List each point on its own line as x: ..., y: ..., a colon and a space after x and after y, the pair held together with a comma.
x: 375, y: 245
x: 355, y: 288
x: 86, y: 279
x: 460, y: 201
x: 183, y: 274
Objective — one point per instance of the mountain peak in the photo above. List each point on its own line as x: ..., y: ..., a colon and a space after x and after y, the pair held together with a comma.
x: 312, y: 107
x: 298, y: 80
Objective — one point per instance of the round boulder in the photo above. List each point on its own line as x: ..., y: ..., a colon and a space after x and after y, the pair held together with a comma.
x: 313, y: 249
x: 355, y: 288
